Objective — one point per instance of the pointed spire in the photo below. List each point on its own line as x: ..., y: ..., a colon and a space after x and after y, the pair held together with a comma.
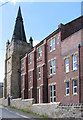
x: 19, y: 13
x: 19, y: 33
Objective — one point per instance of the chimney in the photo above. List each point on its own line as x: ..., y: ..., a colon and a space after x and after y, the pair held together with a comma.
x: 60, y: 25
x: 31, y: 41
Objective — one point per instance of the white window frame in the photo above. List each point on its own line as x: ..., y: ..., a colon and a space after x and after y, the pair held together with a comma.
x: 52, y: 45
x: 74, y: 87
x: 74, y: 62
x: 30, y: 58
x: 52, y: 90
x: 66, y: 66
x: 39, y: 73
x: 67, y: 88
x: 40, y: 51
x: 52, y: 67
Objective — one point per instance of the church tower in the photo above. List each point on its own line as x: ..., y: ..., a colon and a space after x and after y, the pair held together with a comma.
x: 14, y: 50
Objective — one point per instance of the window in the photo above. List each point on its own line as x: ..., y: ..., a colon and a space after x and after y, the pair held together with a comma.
x: 30, y: 58
x: 52, y: 67
x: 30, y: 76
x: 67, y: 65
x: 52, y: 44
x: 67, y: 88
x: 8, y: 66
x: 40, y: 51
x: 52, y: 93
x: 74, y: 62
x: 74, y: 86
x: 22, y: 64
x: 39, y: 73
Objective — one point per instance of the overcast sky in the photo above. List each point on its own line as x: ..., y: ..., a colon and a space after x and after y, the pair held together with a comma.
x: 40, y: 19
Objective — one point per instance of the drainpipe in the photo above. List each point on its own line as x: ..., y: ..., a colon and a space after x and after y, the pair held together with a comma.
x: 79, y: 77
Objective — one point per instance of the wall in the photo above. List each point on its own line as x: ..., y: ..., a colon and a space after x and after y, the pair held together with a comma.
x: 54, y: 110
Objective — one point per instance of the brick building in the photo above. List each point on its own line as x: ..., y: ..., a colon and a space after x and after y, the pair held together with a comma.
x: 52, y: 71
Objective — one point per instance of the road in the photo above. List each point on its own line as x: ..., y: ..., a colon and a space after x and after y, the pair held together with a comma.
x: 6, y: 112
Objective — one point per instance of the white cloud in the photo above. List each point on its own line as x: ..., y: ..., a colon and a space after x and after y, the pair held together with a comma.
x: 35, y: 42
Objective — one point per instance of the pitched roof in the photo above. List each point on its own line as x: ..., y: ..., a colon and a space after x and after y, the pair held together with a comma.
x: 19, y: 33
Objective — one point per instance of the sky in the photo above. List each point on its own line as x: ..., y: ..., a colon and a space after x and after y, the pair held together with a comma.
x: 40, y: 20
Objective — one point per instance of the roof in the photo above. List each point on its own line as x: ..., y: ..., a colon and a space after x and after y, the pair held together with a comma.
x: 19, y: 33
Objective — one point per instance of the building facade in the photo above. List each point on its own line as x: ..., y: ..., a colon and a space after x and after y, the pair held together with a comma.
x: 52, y: 71
x: 14, y: 50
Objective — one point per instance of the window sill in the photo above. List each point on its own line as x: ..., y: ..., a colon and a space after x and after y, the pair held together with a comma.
x: 51, y: 51
x: 29, y: 63
x: 39, y: 79
x: 66, y: 72
x: 66, y: 95
x: 74, y: 70
x: 52, y: 74
x: 75, y: 94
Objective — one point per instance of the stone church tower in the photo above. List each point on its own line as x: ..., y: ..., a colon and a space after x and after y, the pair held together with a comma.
x: 14, y: 50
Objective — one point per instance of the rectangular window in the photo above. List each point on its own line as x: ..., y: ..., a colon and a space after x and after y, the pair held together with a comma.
x: 30, y: 58
x: 74, y: 62
x: 67, y: 65
x: 52, y: 67
x: 67, y: 88
x: 30, y: 76
x: 54, y: 70
x: 22, y: 64
x: 52, y: 44
x: 40, y: 52
x: 39, y: 72
x: 74, y: 86
x: 52, y: 93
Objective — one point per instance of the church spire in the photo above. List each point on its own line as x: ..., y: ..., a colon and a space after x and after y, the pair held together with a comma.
x: 19, y: 33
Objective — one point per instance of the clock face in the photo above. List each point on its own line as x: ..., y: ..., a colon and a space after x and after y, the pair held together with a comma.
x: 58, y: 39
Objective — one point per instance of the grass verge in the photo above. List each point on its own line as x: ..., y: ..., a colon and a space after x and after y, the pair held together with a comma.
x: 30, y: 112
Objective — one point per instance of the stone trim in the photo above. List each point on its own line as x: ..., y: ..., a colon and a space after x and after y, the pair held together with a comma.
x: 52, y: 59
x: 67, y: 80
x: 41, y: 65
x: 31, y: 52
x: 39, y: 86
x: 23, y: 74
x: 30, y: 70
x: 50, y: 84
x: 51, y: 38
x: 30, y: 88
x: 41, y: 45
x: 74, y: 78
